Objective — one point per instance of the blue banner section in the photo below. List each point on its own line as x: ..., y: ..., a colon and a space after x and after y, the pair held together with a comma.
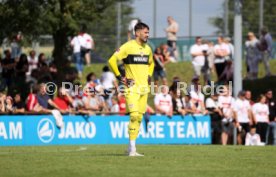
x: 42, y: 130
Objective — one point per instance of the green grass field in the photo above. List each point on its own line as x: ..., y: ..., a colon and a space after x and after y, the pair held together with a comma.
x: 159, y: 160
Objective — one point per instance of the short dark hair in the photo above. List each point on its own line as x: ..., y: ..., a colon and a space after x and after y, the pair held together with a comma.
x: 105, y: 69
x: 140, y: 26
x: 198, y: 37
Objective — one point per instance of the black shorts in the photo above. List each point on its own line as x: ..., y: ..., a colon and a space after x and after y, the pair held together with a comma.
x: 171, y: 44
x: 245, y: 127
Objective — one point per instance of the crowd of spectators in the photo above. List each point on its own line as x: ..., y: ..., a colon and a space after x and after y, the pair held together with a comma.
x: 208, y: 58
x: 26, y: 77
x: 226, y: 112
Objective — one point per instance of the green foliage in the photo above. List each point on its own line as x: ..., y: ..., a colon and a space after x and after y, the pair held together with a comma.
x: 159, y: 161
x: 250, y: 16
x: 62, y: 18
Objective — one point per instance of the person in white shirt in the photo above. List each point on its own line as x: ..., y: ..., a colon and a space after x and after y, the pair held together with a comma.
x: 115, y: 106
x: 243, y: 115
x: 197, y: 98
x: 252, y: 138
x: 82, y: 45
x: 226, y: 103
x: 261, y: 113
x: 215, y: 112
x: 198, y: 58
x: 108, y: 81
x: 163, y: 102
x: 221, y: 52
x: 33, y: 63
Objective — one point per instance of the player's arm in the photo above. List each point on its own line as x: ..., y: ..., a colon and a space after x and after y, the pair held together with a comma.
x: 120, y: 54
x: 113, y: 65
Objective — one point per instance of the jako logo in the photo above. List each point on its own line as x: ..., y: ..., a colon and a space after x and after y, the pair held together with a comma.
x: 46, y: 130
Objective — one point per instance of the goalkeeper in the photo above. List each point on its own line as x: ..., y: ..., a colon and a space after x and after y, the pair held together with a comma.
x: 136, y: 56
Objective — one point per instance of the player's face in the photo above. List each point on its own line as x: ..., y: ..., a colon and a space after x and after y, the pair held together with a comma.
x: 143, y: 35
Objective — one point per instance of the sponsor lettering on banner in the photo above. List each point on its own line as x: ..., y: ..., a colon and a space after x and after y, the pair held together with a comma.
x: 42, y: 130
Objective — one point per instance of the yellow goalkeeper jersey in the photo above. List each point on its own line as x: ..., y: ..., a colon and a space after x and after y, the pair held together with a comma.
x: 137, y: 59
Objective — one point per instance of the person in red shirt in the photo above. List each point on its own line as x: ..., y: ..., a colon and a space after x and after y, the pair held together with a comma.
x: 122, y: 104
x: 63, y: 100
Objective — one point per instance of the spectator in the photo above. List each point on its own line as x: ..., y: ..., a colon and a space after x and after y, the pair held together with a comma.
x: 16, y: 46
x: 9, y: 104
x: 248, y: 97
x: 2, y: 103
x: 31, y: 101
x: 163, y: 102
x: 82, y: 44
x: 252, y: 56
x: 115, y: 106
x: 272, y: 115
x: 8, y: 71
x: 122, y: 103
x: 167, y: 53
x: 108, y: 81
x: 213, y: 108
x: 33, y: 63
x: 252, y: 138
x: 130, y: 31
x: 261, y: 112
x: 226, y: 102
x: 43, y: 99
x: 230, y: 55
x: 171, y: 31
x: 21, y: 69
x: 189, y: 106
x: 159, y: 67
x: 206, y: 68
x: 198, y: 56
x: 19, y: 106
x: 63, y: 100
x: 95, y: 103
x: 211, y: 56
x: 227, y: 74
x: 178, y: 102
x: 265, y: 45
x: 173, y: 88
x: 242, y: 112
x: 221, y: 52
x: 197, y: 98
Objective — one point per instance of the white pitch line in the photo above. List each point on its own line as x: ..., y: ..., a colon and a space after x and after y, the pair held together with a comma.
x: 37, y: 151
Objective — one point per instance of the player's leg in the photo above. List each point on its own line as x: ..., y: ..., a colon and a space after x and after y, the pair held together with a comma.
x: 132, y: 100
x: 134, y: 125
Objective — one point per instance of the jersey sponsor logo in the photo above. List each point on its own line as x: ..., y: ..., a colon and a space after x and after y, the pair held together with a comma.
x: 46, y: 130
x: 137, y: 59
x: 140, y: 59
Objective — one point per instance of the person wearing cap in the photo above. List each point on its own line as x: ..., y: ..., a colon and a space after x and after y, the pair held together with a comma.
x: 243, y: 116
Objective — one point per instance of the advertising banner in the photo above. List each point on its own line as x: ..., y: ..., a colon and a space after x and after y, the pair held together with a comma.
x: 42, y: 130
